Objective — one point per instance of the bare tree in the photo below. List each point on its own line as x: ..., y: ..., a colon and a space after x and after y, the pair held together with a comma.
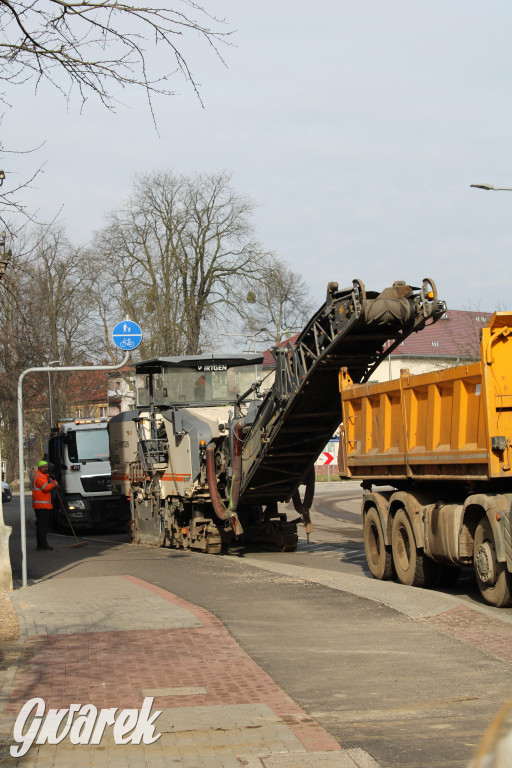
x: 278, y: 305
x: 18, y: 348
x: 96, y: 46
x: 177, y: 254
x: 61, y: 287
x: 46, y: 314
x: 11, y: 200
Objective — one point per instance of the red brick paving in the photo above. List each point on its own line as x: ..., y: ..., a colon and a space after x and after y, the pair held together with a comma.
x: 110, y: 669
x: 489, y: 635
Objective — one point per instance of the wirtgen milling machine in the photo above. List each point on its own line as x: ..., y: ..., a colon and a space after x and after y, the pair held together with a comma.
x: 207, y: 454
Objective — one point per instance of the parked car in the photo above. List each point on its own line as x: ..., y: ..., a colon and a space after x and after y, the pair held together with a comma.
x: 6, y: 492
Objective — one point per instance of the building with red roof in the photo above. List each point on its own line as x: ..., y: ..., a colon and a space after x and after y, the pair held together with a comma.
x: 453, y: 340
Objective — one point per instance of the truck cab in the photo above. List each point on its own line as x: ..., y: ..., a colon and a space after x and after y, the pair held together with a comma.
x: 78, y: 456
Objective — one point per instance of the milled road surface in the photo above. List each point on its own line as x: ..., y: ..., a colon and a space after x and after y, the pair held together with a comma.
x: 412, y: 687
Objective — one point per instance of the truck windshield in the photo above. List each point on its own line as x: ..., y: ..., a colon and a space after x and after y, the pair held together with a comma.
x: 88, y: 444
x: 190, y: 385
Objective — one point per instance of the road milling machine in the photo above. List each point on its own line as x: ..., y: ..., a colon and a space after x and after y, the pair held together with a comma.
x: 207, y: 454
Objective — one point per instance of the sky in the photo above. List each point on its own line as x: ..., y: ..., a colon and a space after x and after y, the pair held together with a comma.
x: 356, y: 126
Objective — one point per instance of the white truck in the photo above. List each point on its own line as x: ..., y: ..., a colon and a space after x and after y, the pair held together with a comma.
x: 78, y: 457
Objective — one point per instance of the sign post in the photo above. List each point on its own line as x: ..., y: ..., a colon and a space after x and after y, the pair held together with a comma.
x: 127, y: 336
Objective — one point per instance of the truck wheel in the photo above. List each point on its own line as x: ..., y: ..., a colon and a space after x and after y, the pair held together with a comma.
x: 412, y: 566
x: 379, y: 559
x: 494, y: 581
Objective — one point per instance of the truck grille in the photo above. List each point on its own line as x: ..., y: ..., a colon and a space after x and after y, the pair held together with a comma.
x: 96, y: 484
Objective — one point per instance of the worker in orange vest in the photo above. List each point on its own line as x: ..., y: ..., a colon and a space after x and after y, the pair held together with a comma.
x: 42, y: 487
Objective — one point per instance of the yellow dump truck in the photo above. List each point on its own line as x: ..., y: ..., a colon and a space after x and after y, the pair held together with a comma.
x: 434, y: 454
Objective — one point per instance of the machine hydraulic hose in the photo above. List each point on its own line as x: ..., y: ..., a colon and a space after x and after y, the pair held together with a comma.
x: 223, y: 513
x: 303, y: 506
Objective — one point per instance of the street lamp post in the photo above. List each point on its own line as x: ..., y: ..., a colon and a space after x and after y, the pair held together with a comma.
x: 52, y: 362
x: 489, y: 187
x: 29, y: 442
x: 5, y: 567
x: 5, y: 530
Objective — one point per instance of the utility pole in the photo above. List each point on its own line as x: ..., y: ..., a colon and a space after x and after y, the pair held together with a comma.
x: 5, y: 530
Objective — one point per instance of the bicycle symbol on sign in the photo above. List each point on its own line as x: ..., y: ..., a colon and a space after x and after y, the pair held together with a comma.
x: 127, y: 343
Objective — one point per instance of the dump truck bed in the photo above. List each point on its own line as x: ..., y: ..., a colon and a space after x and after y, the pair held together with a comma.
x: 454, y: 424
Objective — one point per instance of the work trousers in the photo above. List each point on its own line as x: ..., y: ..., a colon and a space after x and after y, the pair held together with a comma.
x: 42, y: 525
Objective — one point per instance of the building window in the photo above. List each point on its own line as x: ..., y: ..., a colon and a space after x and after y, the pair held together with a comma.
x: 103, y: 411
x: 435, y: 343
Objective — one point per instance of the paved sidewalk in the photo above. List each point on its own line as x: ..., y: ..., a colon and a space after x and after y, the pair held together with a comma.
x: 112, y: 641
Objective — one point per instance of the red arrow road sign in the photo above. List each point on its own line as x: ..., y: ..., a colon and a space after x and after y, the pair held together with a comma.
x: 328, y: 458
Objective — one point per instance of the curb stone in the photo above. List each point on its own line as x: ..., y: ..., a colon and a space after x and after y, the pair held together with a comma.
x: 349, y: 758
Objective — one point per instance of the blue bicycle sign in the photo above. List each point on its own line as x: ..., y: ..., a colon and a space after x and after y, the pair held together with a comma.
x: 127, y: 335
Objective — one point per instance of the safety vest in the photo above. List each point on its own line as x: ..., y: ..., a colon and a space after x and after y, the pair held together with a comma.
x: 42, y: 488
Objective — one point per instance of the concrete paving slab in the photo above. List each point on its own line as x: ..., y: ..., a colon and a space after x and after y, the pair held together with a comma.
x: 107, y: 604
x: 184, y: 690
x: 350, y: 758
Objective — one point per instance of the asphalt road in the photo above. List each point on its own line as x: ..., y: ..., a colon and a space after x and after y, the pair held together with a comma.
x: 336, y: 543
x: 396, y: 687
